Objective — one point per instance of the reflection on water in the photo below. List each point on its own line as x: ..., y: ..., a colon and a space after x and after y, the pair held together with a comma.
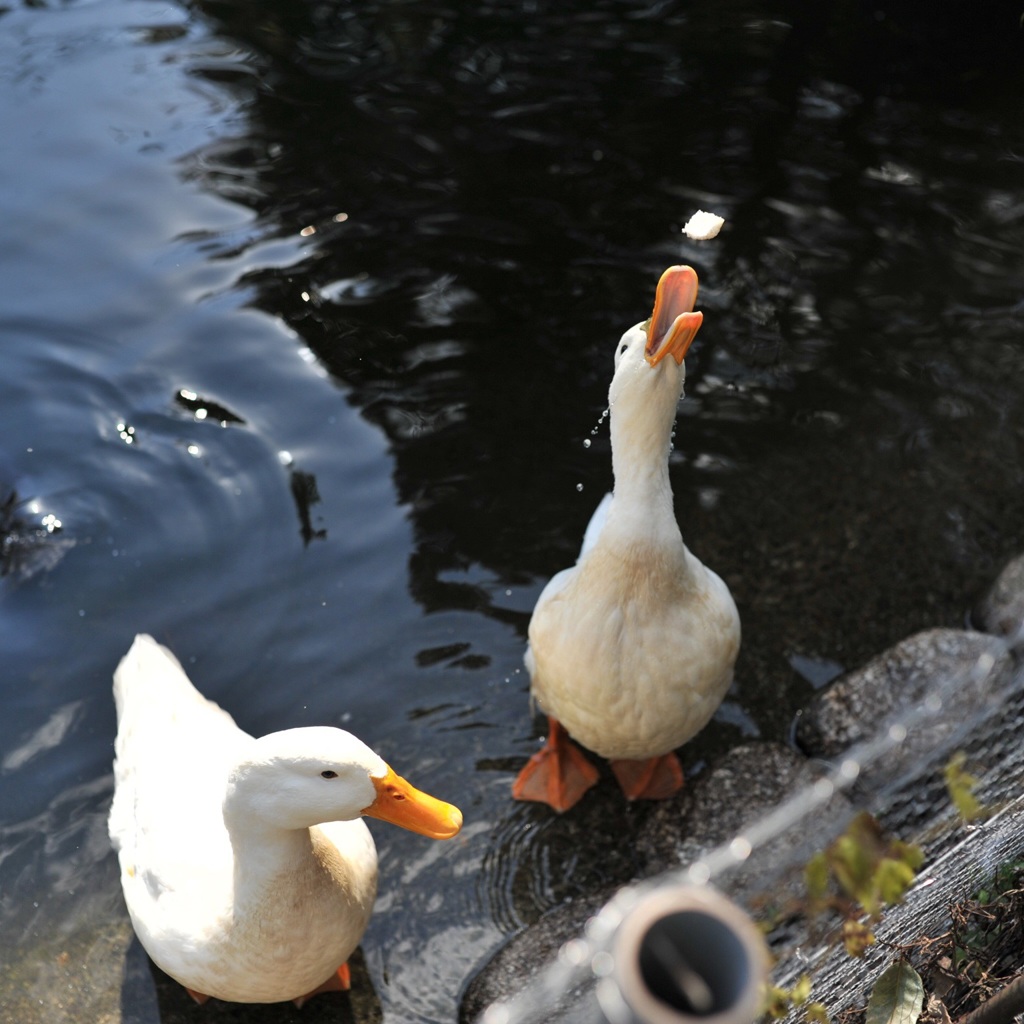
x: 309, y: 309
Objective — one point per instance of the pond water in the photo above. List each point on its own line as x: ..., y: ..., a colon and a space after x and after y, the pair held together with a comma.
x: 307, y: 313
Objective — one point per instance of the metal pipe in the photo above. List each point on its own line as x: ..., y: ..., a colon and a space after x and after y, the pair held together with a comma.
x: 683, y: 954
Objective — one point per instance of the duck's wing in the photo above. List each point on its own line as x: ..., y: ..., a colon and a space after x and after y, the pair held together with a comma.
x: 174, y: 749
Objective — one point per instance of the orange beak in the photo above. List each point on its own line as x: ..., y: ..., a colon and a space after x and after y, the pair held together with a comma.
x: 673, y: 324
x: 401, y: 803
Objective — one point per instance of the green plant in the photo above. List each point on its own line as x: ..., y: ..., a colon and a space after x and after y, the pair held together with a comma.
x: 960, y: 785
x: 858, y: 875
x: 779, y: 1001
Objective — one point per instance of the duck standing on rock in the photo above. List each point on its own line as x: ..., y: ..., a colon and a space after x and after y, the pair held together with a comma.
x: 632, y: 649
x: 247, y: 870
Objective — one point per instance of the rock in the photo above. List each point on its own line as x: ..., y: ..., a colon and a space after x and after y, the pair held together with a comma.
x: 939, y: 692
x: 739, y: 789
x: 527, y: 953
x: 1001, y: 610
x: 102, y: 975
x: 962, y: 668
x: 957, y: 666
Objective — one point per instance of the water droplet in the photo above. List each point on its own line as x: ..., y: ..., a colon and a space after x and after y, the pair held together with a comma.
x: 740, y: 848
x: 575, y: 952
x: 579, y: 487
x: 823, y: 789
x: 699, y: 873
x: 586, y: 442
x: 602, y: 964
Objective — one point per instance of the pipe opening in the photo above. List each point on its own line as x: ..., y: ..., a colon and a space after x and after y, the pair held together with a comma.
x: 695, y: 963
x: 684, y: 954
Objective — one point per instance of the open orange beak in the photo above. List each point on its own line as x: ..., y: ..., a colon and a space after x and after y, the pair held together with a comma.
x: 401, y: 803
x: 673, y: 324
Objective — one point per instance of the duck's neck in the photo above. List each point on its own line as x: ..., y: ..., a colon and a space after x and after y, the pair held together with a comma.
x: 643, y: 508
x: 263, y: 854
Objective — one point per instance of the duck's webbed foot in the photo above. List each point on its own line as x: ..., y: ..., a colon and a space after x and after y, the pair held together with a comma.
x: 558, y: 774
x: 656, y: 778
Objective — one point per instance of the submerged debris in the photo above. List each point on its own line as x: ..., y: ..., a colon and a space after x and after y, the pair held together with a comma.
x: 28, y: 548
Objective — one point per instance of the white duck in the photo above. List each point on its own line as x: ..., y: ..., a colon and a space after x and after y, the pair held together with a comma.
x: 247, y: 870
x: 632, y: 649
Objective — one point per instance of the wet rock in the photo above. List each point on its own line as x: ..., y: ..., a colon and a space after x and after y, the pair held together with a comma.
x: 738, y: 791
x: 68, y: 978
x: 960, y: 677
x: 957, y: 665
x: 102, y: 975
x: 527, y: 953
x: 1001, y: 610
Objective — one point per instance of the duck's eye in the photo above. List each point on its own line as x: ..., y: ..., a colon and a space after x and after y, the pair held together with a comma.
x: 328, y: 774
x: 623, y: 347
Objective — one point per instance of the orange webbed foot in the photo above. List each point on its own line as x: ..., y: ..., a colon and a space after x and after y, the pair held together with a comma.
x: 199, y: 997
x: 557, y: 775
x: 656, y: 778
x: 339, y: 981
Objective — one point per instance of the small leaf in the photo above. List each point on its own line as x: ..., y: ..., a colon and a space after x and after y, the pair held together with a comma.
x: 816, y: 876
x: 816, y: 1013
x: 961, y: 785
x: 908, y: 853
x: 893, y: 879
x: 857, y: 937
x: 897, y: 996
x: 801, y: 991
x: 775, y: 1002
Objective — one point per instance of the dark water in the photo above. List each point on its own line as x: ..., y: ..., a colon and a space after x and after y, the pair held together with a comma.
x: 306, y: 311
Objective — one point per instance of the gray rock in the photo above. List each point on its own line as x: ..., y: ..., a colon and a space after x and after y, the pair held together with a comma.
x: 1001, y: 610
x: 971, y: 673
x: 738, y: 791
x: 956, y: 666
x: 743, y: 786
x: 526, y: 953
x: 935, y: 693
x: 102, y: 975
